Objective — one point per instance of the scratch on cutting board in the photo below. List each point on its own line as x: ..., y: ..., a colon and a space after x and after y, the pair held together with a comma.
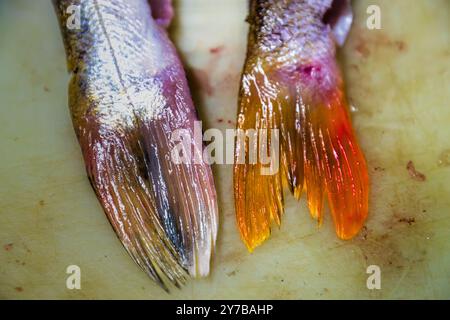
x: 400, y: 280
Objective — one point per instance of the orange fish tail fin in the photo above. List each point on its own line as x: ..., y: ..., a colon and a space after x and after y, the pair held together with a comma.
x: 318, y: 151
x: 334, y: 163
x: 266, y: 126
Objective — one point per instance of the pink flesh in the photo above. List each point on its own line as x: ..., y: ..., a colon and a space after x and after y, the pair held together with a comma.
x: 162, y: 12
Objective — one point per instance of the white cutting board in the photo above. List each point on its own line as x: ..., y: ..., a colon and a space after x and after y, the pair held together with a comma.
x: 398, y: 82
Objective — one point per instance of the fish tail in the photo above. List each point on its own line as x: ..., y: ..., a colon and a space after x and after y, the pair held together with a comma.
x: 164, y: 212
x: 318, y: 153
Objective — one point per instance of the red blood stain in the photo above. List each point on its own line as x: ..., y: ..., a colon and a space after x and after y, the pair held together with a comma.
x: 377, y: 40
x: 401, y: 46
x: 8, y: 247
x: 18, y: 289
x: 362, y: 49
x: 409, y: 221
x: 413, y: 173
x: 216, y: 50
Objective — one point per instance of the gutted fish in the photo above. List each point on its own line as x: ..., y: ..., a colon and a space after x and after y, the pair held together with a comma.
x: 291, y: 82
x: 127, y: 95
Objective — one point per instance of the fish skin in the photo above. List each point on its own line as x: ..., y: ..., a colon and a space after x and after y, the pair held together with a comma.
x: 127, y: 94
x: 162, y: 12
x: 292, y: 82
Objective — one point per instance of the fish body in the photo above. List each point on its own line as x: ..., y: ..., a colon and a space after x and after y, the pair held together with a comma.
x: 291, y: 82
x: 127, y: 94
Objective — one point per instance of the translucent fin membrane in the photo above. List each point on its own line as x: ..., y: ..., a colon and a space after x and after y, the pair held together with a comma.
x: 318, y: 152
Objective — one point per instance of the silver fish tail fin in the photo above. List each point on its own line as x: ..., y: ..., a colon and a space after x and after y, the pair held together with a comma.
x: 165, y: 214
x: 116, y: 167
